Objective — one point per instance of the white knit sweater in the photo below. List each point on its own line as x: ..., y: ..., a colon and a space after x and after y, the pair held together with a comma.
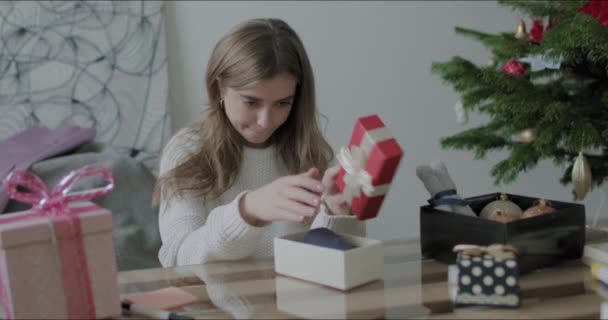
x: 194, y: 231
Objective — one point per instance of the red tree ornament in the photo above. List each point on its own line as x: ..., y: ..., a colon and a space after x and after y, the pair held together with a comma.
x: 536, y: 33
x: 597, y: 9
x: 515, y: 67
x: 538, y: 30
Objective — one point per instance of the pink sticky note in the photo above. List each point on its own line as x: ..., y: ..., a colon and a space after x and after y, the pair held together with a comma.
x: 166, y: 298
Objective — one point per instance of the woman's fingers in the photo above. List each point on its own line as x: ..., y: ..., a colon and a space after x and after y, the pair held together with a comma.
x: 306, y: 182
x: 302, y: 195
x: 337, y: 204
x: 332, y: 172
x: 311, y: 173
x: 289, y: 216
x: 329, y: 177
x: 291, y: 208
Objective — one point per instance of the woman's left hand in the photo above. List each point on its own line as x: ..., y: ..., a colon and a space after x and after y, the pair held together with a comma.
x: 334, y: 198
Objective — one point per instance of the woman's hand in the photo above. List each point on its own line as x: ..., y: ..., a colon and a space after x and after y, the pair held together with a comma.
x: 292, y: 198
x: 334, y: 199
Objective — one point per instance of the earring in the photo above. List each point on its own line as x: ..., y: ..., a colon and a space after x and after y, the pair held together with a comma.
x: 221, y: 103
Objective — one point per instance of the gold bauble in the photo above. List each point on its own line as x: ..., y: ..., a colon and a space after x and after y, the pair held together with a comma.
x: 581, y: 176
x: 503, y: 217
x: 503, y: 204
x: 526, y: 136
x: 521, y: 31
x: 541, y: 207
x: 492, y: 62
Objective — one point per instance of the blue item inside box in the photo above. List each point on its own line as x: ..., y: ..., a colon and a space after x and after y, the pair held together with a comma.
x: 324, y: 237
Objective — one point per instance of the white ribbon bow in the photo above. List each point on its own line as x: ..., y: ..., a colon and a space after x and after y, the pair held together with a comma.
x: 356, y: 178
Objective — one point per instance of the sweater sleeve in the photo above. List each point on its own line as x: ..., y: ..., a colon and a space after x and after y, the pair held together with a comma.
x: 339, y: 223
x: 193, y: 234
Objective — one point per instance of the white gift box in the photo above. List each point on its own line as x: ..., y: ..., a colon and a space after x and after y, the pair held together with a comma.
x: 331, y: 267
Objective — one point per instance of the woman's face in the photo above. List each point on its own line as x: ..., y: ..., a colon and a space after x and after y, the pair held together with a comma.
x: 257, y: 110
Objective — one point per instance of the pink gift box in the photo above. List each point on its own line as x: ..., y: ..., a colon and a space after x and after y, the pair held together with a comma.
x: 368, y: 166
x: 57, y: 261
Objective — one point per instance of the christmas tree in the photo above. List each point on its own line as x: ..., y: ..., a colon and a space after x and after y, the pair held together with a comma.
x: 545, y: 92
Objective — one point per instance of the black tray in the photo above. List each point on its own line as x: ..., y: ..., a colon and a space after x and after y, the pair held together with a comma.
x: 542, y: 240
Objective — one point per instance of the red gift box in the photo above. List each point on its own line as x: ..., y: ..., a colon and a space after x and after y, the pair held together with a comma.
x: 368, y: 166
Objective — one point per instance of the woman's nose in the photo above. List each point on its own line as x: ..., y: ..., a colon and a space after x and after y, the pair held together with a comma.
x: 264, y: 118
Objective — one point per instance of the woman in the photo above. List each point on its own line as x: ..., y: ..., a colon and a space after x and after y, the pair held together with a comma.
x: 248, y: 170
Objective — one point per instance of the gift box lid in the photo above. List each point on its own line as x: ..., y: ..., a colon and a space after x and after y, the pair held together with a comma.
x: 36, y: 229
x: 368, y: 166
x: 384, y: 156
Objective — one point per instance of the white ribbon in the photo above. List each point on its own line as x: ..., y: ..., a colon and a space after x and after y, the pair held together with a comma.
x: 356, y: 178
x: 354, y: 160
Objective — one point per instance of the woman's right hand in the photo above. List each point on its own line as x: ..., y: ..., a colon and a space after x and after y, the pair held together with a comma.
x: 292, y: 198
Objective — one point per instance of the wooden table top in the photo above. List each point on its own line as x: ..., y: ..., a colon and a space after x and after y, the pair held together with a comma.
x: 412, y: 287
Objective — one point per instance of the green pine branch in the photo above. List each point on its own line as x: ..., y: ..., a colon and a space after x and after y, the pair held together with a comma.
x: 567, y: 109
x: 481, y: 140
x: 523, y: 157
x: 503, y: 46
x: 550, y: 8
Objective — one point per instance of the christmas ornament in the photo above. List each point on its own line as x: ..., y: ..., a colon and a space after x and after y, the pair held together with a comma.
x: 462, y: 115
x: 525, y: 136
x: 597, y: 9
x: 503, y: 204
x: 540, y: 62
x: 581, y: 176
x: 492, y: 62
x: 503, y: 217
x: 521, y: 31
x: 515, y: 67
x: 536, y: 32
x: 541, y: 206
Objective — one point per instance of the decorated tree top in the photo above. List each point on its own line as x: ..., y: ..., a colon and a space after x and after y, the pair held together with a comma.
x: 545, y: 91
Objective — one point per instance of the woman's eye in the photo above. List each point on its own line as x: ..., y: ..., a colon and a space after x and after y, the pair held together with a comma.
x: 250, y: 103
x: 285, y: 103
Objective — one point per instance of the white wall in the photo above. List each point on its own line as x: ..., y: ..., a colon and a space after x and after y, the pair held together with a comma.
x: 370, y: 57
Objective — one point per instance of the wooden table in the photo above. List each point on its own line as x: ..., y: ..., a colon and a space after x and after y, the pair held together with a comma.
x: 412, y: 287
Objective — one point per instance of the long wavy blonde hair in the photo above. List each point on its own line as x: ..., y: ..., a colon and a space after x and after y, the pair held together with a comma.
x: 254, y: 50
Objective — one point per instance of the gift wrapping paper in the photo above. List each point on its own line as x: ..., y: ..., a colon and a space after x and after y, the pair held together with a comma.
x: 487, y: 280
x: 367, y: 166
x: 59, y: 255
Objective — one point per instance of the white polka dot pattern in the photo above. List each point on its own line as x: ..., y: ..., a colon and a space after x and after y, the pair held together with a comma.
x: 499, y: 272
x: 476, y: 289
x: 511, y: 281
x: 487, y: 281
x: 500, y: 290
x: 476, y: 271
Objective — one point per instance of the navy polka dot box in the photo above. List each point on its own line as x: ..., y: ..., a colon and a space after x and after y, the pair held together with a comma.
x: 487, y: 276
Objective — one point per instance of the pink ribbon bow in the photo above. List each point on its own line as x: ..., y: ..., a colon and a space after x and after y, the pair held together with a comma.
x: 56, y: 200
x: 54, y: 204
